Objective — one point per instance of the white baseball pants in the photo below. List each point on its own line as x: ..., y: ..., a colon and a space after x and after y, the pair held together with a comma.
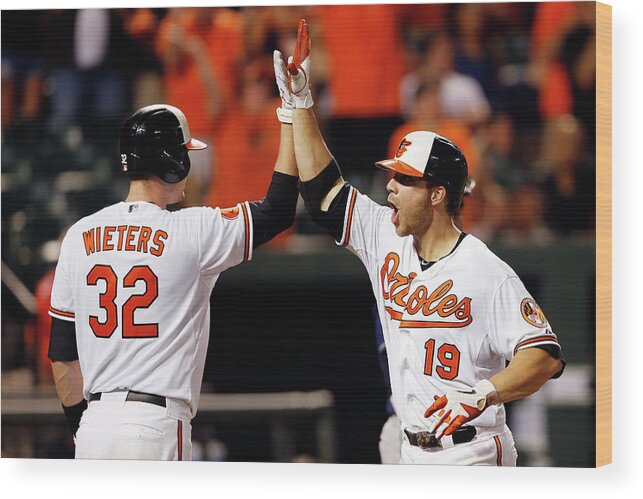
x: 113, y: 428
x: 486, y: 449
x: 390, y: 441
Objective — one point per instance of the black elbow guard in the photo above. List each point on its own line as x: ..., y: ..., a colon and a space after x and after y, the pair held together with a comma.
x: 333, y: 219
x: 314, y: 190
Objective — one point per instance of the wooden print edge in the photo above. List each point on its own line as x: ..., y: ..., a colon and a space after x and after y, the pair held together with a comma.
x: 603, y: 234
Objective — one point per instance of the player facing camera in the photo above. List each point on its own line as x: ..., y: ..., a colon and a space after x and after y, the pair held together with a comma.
x: 429, y: 171
x: 457, y: 322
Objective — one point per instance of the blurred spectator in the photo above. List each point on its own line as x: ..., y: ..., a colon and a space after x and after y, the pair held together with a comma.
x: 427, y: 114
x: 507, y: 37
x: 551, y: 20
x: 578, y: 56
x: 461, y: 96
x: 564, y: 61
x: 142, y: 25
x: 270, y: 28
x: 570, y: 186
x: 89, y: 61
x: 201, y: 50
x: 40, y: 344
x: 501, y: 163
x: 488, y: 217
x: 471, y: 57
x: 22, y: 65
x: 365, y: 66
x: 419, y: 20
x: 525, y: 222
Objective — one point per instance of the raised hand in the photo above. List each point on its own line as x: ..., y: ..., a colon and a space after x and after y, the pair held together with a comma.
x: 299, y: 68
x: 284, y: 113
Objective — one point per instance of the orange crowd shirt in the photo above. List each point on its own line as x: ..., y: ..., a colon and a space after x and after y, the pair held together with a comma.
x: 551, y: 20
x: 246, y: 147
x: 245, y: 151
x: 366, y: 59
x: 221, y: 33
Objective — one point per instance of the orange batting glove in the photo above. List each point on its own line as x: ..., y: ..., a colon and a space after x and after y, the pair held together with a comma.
x: 455, y: 408
x: 299, y: 68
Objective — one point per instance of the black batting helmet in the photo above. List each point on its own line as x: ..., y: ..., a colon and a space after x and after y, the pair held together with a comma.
x: 429, y: 155
x: 155, y: 140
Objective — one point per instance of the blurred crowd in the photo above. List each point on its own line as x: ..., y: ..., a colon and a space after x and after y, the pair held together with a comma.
x: 513, y: 84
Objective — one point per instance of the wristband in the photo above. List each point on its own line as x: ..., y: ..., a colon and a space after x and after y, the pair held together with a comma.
x: 73, y: 413
x: 486, y: 388
x: 284, y: 115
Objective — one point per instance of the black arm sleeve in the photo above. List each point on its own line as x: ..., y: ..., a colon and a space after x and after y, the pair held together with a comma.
x: 62, y: 341
x: 276, y: 212
x: 314, y: 190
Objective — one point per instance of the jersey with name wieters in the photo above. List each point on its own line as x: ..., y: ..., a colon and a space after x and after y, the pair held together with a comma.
x: 136, y: 280
x: 446, y: 327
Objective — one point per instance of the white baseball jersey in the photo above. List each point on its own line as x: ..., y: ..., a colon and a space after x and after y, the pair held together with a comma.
x: 446, y: 327
x: 136, y: 280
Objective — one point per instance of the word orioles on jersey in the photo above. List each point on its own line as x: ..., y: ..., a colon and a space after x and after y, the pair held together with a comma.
x: 396, y: 288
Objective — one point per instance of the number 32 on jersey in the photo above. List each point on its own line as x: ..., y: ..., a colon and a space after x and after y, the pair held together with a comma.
x: 106, y: 328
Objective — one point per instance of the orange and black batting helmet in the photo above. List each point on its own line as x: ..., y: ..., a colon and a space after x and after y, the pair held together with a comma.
x: 155, y: 140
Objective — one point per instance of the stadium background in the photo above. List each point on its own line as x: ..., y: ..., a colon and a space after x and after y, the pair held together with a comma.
x: 514, y: 84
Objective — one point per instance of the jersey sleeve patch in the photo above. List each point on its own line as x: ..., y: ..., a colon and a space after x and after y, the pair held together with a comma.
x: 61, y: 314
x: 533, y: 314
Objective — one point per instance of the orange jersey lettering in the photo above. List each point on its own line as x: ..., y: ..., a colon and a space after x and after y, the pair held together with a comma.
x: 159, y: 240
x: 396, y: 288
x: 124, y: 238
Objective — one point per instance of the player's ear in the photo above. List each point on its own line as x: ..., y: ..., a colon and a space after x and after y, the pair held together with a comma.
x: 438, y: 195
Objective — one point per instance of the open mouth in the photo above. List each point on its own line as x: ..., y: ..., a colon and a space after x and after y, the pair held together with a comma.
x: 395, y: 215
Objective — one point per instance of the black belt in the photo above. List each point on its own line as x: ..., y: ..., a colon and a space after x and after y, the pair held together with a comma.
x: 427, y: 440
x: 136, y: 397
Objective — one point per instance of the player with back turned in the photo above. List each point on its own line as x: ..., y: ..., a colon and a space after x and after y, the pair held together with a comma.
x: 453, y: 314
x: 131, y: 296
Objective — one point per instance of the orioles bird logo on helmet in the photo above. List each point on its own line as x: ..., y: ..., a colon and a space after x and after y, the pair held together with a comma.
x: 403, y: 145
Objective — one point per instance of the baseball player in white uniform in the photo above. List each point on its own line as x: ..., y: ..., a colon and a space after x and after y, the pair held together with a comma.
x: 453, y: 314
x: 131, y: 296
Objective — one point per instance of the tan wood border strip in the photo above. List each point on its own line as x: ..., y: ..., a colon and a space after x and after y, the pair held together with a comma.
x: 603, y: 234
